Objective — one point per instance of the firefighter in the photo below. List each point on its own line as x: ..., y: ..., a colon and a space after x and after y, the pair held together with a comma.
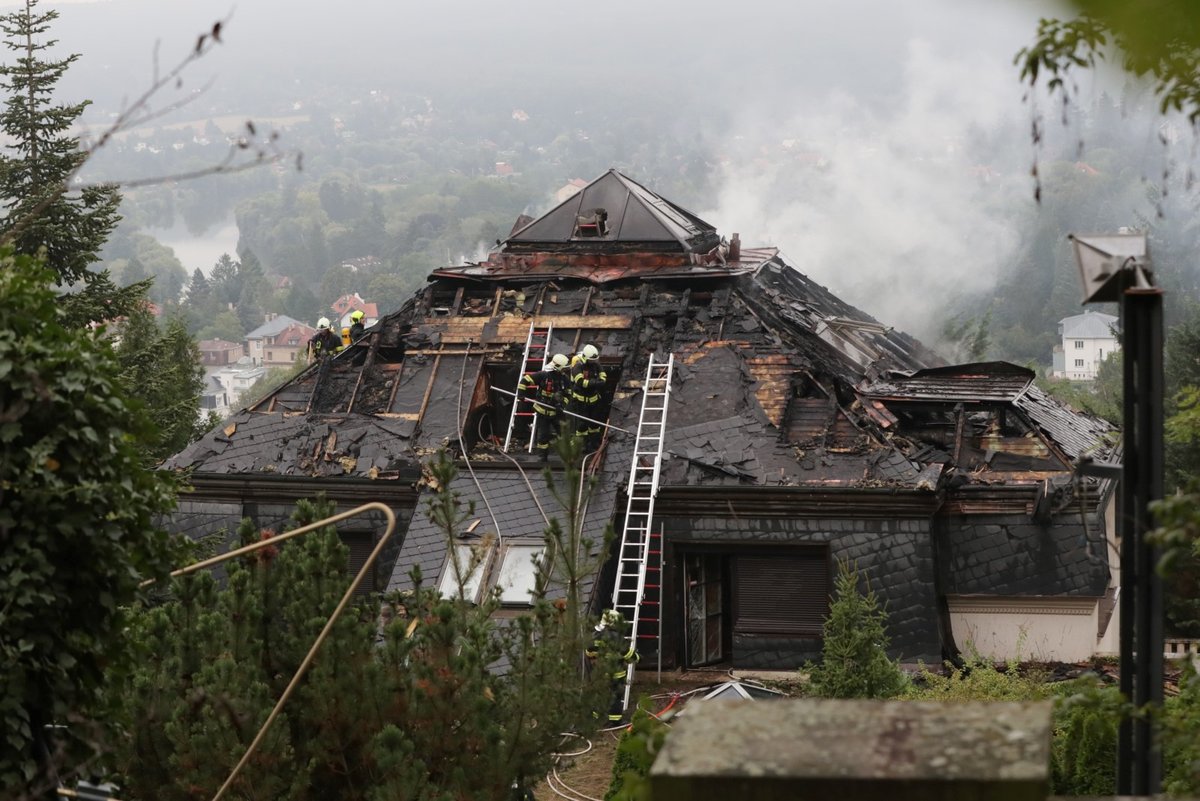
x: 357, y: 329
x: 587, y: 385
x: 608, y: 642
x: 547, y: 389
x: 323, y: 343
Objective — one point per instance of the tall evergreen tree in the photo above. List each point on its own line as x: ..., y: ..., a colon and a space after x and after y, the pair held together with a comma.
x: 40, y: 208
x: 162, y: 369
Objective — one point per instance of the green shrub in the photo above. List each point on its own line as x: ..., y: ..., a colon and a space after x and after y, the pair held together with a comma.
x: 635, y: 754
x: 854, y: 661
x: 979, y: 680
x: 1181, y: 737
x: 1083, y: 751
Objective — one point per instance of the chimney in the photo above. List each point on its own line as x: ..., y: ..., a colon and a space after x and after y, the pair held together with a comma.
x: 735, y: 248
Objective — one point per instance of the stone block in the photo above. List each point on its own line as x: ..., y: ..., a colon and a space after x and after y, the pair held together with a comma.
x: 856, y: 750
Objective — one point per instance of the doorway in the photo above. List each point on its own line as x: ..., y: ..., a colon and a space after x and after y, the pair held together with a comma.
x: 705, y: 605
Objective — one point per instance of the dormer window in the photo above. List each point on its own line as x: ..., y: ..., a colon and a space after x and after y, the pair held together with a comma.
x: 591, y: 224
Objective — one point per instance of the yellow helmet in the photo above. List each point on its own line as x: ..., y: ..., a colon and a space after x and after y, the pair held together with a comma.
x: 357, y: 315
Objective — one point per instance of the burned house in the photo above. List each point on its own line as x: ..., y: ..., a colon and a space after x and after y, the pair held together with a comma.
x: 797, y: 432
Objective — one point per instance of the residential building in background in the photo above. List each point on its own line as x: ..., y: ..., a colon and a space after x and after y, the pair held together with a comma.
x: 286, y: 347
x: 218, y: 352
x: 1086, y: 341
x: 257, y: 339
x: 346, y: 305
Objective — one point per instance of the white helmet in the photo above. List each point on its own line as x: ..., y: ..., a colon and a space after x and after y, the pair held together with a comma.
x: 559, y: 362
x: 589, y: 352
x: 323, y: 323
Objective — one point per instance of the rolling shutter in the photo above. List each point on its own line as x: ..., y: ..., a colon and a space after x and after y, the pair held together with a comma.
x: 360, y: 544
x: 782, y: 594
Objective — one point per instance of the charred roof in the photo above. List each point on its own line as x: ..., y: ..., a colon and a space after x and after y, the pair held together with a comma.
x: 779, y: 381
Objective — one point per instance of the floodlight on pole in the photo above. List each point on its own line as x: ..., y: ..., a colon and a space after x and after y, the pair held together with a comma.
x: 1115, y: 268
x: 1111, y: 263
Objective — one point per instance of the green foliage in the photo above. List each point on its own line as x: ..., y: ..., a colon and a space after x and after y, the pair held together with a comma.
x: 224, y: 325
x: 1162, y: 45
x: 1101, y: 397
x: 161, y: 368
x: 77, y: 514
x: 970, y: 336
x: 978, y: 680
x: 854, y: 661
x: 1178, y: 537
x: 40, y: 209
x: 1181, y: 737
x: 403, y: 702
x: 1083, y: 749
x: 639, y: 746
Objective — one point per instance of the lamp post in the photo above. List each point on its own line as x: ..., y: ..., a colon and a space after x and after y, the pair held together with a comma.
x: 1116, y: 268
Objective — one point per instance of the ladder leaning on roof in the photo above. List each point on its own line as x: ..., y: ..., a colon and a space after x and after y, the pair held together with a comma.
x: 638, y: 590
x: 534, y: 358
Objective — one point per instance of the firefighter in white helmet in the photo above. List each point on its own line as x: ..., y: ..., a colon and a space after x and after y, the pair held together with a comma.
x: 587, y: 385
x: 547, y: 390
x: 323, y: 343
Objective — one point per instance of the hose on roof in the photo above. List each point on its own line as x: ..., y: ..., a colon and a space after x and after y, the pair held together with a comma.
x: 466, y: 457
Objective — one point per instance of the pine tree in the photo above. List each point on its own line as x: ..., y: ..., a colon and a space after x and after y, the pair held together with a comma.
x: 854, y: 661
x: 41, y: 209
x: 161, y: 368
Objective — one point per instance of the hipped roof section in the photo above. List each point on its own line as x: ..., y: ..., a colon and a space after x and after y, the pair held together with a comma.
x: 635, y: 215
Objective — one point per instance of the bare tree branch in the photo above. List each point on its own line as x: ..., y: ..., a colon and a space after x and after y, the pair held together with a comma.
x: 138, y: 113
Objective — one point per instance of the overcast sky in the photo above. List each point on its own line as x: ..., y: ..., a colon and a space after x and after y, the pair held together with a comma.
x: 894, y: 95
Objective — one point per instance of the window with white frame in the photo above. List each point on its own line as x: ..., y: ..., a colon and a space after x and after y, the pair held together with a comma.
x: 1079, y: 362
x: 464, y: 570
x: 1079, y: 344
x: 511, y: 569
x: 517, y: 577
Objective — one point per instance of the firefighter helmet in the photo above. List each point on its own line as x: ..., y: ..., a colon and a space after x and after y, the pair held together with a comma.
x: 357, y: 315
x: 323, y: 323
x: 559, y: 362
x: 590, y: 352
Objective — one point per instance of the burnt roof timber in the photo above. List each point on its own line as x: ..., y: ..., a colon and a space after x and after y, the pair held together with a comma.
x: 768, y: 501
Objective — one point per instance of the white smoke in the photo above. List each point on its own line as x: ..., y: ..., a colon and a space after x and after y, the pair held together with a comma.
x: 893, y: 209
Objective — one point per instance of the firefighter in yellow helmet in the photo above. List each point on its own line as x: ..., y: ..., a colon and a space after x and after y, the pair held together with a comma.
x: 357, y: 329
x: 587, y: 385
x: 547, y: 389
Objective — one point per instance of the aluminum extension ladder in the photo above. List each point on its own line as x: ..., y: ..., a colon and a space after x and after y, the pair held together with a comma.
x: 634, y: 596
x: 537, y: 344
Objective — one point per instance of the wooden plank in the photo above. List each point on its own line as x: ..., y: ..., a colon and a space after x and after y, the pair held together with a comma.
x: 429, y: 387
x: 395, y: 385
x: 458, y: 330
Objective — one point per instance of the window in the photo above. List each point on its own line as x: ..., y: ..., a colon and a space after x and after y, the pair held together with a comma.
x: 1079, y: 362
x: 782, y: 593
x: 1078, y: 344
x: 515, y: 576
x: 518, y: 573
x: 472, y: 564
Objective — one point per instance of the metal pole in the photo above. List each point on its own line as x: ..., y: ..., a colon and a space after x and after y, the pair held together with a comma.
x: 1145, y: 340
x: 1126, y: 504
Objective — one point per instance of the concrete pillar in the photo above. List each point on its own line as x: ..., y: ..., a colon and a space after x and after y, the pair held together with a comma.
x: 856, y: 751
